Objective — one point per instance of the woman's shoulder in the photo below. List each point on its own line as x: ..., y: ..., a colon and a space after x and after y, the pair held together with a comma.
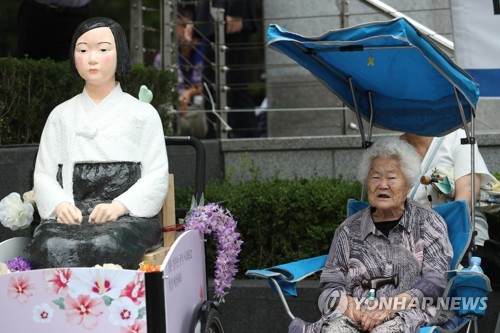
x: 354, y: 221
x: 416, y: 206
x: 423, y: 214
x: 454, y: 137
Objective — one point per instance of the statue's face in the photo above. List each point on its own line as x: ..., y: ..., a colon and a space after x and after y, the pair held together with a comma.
x: 95, y: 56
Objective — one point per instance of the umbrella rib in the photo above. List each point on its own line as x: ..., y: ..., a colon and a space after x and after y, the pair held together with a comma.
x: 353, y: 48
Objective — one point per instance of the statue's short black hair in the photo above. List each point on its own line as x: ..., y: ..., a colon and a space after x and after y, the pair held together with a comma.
x: 122, y: 51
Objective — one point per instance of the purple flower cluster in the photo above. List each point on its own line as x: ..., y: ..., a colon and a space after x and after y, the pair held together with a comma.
x: 18, y: 264
x: 214, y: 220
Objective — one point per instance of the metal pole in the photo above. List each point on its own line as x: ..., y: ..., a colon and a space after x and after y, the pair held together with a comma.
x: 220, y: 65
x: 136, y: 32
x: 345, y: 23
x: 168, y: 34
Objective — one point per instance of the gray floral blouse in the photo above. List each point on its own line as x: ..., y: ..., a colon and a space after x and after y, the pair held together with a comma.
x: 417, y: 249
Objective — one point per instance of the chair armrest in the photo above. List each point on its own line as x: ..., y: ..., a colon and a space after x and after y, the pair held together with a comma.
x: 288, y: 274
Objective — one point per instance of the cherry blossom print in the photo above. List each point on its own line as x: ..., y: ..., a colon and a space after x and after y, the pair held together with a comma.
x: 56, y: 280
x: 43, y: 313
x: 139, y: 326
x: 135, y: 290
x: 123, y: 312
x: 84, y: 310
x: 20, y: 288
x: 98, y: 283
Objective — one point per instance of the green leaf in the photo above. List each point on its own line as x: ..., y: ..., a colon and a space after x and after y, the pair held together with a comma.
x: 107, y: 300
x: 142, y: 313
x: 60, y: 303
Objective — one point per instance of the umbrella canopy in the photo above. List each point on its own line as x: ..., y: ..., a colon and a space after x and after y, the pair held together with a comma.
x: 390, y: 74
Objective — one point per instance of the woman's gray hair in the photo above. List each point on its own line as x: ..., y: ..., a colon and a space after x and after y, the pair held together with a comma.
x: 392, y: 147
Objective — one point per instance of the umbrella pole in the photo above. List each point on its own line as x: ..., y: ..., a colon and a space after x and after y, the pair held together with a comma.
x: 471, y: 140
x: 371, y: 118
x: 358, y: 115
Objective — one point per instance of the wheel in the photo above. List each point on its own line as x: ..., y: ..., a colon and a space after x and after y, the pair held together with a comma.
x: 213, y: 323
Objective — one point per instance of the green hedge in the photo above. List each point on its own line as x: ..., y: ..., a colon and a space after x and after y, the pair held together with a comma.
x: 280, y: 220
x: 30, y: 89
x: 286, y: 220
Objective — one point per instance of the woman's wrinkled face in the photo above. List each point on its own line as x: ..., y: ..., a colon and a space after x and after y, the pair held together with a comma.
x: 387, y: 186
x: 95, y: 56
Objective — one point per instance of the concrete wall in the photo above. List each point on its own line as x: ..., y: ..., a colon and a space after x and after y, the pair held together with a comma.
x: 326, y: 156
x: 290, y: 86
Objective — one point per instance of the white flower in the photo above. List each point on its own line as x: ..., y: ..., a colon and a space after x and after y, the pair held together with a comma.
x: 4, y: 269
x: 123, y: 312
x: 97, y: 283
x: 109, y: 266
x: 14, y: 213
x: 43, y: 313
x: 29, y: 197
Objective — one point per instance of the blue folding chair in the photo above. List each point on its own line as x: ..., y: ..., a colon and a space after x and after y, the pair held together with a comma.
x: 471, y: 288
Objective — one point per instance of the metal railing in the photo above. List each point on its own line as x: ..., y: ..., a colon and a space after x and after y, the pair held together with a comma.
x: 254, y: 73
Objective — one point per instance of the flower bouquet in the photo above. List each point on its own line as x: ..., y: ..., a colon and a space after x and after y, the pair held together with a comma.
x: 212, y: 219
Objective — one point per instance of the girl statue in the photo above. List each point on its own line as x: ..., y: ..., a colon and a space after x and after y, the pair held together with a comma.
x: 101, y: 173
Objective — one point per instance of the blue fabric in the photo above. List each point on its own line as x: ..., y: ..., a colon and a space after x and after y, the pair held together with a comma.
x: 411, y: 80
x: 288, y: 274
x: 488, y: 79
x: 472, y: 289
x: 456, y: 216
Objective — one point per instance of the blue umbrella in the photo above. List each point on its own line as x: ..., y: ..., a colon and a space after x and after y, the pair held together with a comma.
x: 388, y: 73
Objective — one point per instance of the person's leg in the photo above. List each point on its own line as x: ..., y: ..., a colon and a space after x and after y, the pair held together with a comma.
x: 340, y: 324
x: 244, y: 124
x: 395, y: 325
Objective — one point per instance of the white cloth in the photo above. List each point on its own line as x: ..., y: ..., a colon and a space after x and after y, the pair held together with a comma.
x: 451, y: 153
x: 118, y: 129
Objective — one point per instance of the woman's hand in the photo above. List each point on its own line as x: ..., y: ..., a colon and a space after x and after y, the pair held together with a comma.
x: 184, y: 99
x: 68, y: 214
x: 354, y: 310
x: 107, y: 212
x: 372, y: 317
x: 378, y: 313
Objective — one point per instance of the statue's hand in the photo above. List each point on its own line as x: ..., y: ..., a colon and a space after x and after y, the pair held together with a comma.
x: 107, y: 212
x: 68, y: 213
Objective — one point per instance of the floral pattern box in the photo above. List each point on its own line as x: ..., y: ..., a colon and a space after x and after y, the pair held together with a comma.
x: 74, y: 300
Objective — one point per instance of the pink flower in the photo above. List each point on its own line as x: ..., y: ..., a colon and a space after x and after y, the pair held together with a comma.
x: 139, y: 326
x: 97, y: 282
x: 84, y: 310
x: 20, y: 288
x: 56, y: 280
x: 135, y: 290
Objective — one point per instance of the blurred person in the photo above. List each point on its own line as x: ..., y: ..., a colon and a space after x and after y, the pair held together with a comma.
x: 240, y: 18
x: 447, y: 156
x: 46, y: 27
x: 191, y: 116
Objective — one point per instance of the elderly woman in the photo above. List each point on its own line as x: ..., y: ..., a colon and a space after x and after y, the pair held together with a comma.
x: 395, y: 247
